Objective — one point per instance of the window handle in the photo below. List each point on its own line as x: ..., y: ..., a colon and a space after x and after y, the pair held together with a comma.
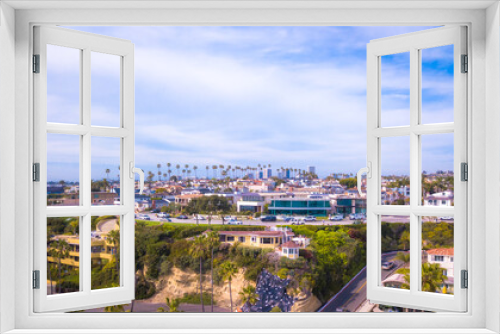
x: 368, y: 171
x: 133, y: 171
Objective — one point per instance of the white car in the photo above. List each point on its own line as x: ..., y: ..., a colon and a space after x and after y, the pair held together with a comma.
x: 200, y: 217
x: 234, y: 222
x: 337, y: 217
x: 310, y: 219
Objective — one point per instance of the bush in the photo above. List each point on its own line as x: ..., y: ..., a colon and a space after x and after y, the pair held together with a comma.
x: 144, y: 289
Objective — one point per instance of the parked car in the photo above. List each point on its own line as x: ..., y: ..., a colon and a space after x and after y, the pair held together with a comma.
x: 337, y: 217
x: 155, y: 211
x: 200, y: 217
x: 268, y: 219
x: 352, y: 216
x: 234, y: 222
x: 289, y: 219
x: 298, y: 222
x: 446, y: 218
x: 387, y: 265
x: 360, y: 216
x: 145, y: 217
x: 182, y: 217
x: 163, y: 215
x: 310, y: 219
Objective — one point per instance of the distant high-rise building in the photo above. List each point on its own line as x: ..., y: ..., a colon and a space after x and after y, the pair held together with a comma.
x: 311, y: 169
x: 288, y: 173
x: 267, y: 173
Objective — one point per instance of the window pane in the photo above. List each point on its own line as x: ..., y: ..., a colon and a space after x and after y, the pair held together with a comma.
x: 63, y: 255
x: 105, y: 171
x: 395, y: 89
x: 106, y: 71
x: 63, y: 84
x: 63, y: 170
x: 437, y: 254
x: 395, y: 169
x: 395, y: 266
x: 105, y: 252
x: 437, y: 84
x: 437, y: 169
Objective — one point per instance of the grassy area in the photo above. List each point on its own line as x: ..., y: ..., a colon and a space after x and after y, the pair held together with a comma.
x: 194, y: 298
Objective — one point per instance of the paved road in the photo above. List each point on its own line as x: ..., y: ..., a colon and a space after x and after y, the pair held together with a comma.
x: 354, y: 293
x: 257, y: 222
x: 107, y: 225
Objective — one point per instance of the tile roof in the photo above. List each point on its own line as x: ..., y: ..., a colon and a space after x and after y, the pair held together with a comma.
x: 441, y: 251
x: 256, y: 233
x: 290, y: 244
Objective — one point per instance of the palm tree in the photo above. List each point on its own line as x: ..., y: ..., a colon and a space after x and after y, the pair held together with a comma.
x: 213, y: 242
x: 59, y: 249
x: 114, y: 238
x: 165, y: 175
x: 199, y: 250
x: 248, y: 295
x: 229, y: 270
x: 186, y: 166
x: 178, y: 168
x: 107, y: 173
x: 195, y: 175
x: 169, y: 172
x: 214, y: 167
x: 432, y: 277
x: 207, y: 168
x: 159, y: 171
x: 183, y: 172
x: 403, y: 257
x: 173, y: 306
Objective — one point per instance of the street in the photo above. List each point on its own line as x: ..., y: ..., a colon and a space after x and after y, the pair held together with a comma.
x: 257, y: 222
x: 354, y: 292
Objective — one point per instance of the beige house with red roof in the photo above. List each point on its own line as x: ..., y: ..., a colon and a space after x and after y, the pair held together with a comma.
x: 262, y: 239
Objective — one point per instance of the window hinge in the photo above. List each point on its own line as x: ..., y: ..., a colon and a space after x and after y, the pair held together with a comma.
x: 36, y: 63
x: 465, y: 64
x: 36, y: 279
x: 36, y: 172
x: 464, y: 276
x: 464, y: 171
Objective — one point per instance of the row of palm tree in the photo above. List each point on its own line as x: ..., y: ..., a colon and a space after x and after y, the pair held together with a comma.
x: 229, y: 170
x: 203, y: 245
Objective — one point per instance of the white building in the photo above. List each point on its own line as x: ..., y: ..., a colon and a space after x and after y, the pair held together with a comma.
x: 290, y: 250
x: 443, y: 257
x: 444, y: 198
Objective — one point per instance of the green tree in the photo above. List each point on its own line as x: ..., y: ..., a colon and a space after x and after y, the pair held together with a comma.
x: 114, y: 238
x: 199, y: 250
x: 248, y: 294
x: 172, y: 305
x: 403, y: 257
x: 213, y: 242
x: 229, y: 270
x: 114, y: 308
x: 59, y: 249
x: 432, y: 277
x: 349, y: 182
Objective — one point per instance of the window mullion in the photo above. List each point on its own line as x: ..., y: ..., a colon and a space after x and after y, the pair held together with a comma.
x: 414, y: 167
x: 85, y: 179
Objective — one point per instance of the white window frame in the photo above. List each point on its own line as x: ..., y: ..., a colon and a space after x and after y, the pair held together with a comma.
x: 413, y: 44
x: 483, y: 98
x: 86, y: 43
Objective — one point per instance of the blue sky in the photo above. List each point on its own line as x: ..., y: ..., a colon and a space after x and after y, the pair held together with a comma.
x: 288, y: 96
